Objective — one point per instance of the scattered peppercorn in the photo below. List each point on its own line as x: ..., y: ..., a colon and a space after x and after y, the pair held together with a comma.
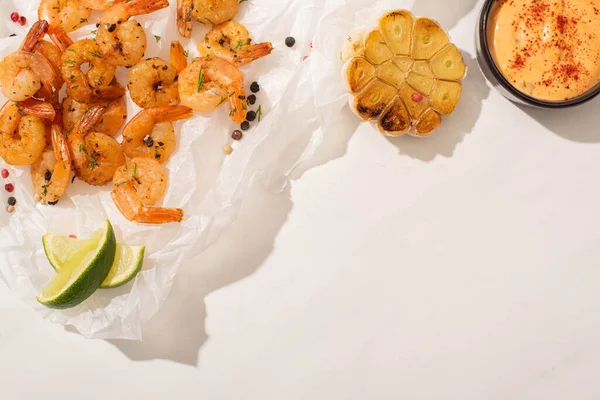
x: 149, y: 141
x: 12, y: 35
x: 22, y: 21
x: 416, y: 97
x: 245, y: 125
x: 10, y: 209
x: 14, y: 17
x: 251, y: 116
x: 227, y: 149
x: 12, y: 201
x: 5, y: 173
x: 47, y: 176
x: 254, y: 87
x: 73, y: 236
x: 9, y: 187
x: 237, y: 135
x: 251, y: 99
x: 290, y: 41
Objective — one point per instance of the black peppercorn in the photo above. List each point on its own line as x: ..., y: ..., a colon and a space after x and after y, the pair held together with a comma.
x: 251, y: 99
x: 237, y: 135
x: 245, y: 125
x: 12, y: 201
x: 290, y: 41
x: 254, y: 87
x: 47, y: 176
x: 251, y: 116
x: 149, y: 141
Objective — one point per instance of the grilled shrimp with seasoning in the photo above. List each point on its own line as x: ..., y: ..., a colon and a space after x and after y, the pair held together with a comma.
x: 66, y: 15
x: 23, y: 137
x: 96, y: 156
x: 208, y: 82
x: 23, y: 72
x: 51, y: 173
x: 231, y: 41
x: 123, y: 41
x: 212, y: 12
x: 137, y: 186
x: 151, y: 134
x: 112, y: 120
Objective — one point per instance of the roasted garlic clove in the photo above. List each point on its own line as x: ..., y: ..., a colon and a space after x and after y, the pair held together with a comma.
x: 448, y: 64
x: 429, y: 38
x: 395, y: 120
x: 358, y: 72
x: 376, y: 49
x: 397, y: 29
x: 430, y: 120
x: 415, y: 102
x: 445, y: 96
x: 404, y: 63
x: 390, y: 73
x: 370, y: 103
x: 422, y: 84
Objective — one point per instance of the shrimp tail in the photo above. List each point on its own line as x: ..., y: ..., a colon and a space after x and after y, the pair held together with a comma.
x: 112, y: 92
x: 184, y: 17
x: 140, y: 7
x: 61, y: 176
x: 35, y: 34
x: 254, y: 52
x: 131, y: 207
x: 60, y: 145
x: 37, y: 109
x: 169, y: 113
x: 178, y: 57
x: 89, y: 119
x: 237, y: 107
x: 60, y: 38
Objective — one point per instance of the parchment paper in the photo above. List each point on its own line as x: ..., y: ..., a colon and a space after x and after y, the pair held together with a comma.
x: 208, y: 185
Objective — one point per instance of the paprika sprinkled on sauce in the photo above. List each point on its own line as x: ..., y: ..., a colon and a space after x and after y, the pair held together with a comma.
x: 547, y: 49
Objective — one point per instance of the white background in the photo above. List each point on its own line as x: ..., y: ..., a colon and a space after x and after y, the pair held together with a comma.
x: 464, y: 266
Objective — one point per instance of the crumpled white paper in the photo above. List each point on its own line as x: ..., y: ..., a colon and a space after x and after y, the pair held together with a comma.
x: 208, y: 185
x: 304, y: 103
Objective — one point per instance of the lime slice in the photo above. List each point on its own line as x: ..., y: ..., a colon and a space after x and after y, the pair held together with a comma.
x: 128, y: 262
x: 83, y: 267
x: 126, y: 265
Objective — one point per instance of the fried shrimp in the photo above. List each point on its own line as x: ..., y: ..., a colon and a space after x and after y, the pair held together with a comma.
x: 153, y: 83
x: 208, y: 82
x: 51, y: 173
x: 22, y: 73
x: 96, y: 156
x: 81, y: 86
x: 151, y: 134
x: 138, y: 185
x: 184, y: 17
x: 231, y: 41
x: 67, y: 15
x: 112, y: 120
x: 22, y: 137
x: 123, y: 42
x: 99, y: 5
x: 178, y: 56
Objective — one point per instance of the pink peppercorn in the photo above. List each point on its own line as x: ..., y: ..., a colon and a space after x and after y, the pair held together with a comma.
x: 4, y: 173
x: 416, y: 97
x: 73, y: 236
x: 9, y: 187
x: 22, y: 21
x: 14, y: 17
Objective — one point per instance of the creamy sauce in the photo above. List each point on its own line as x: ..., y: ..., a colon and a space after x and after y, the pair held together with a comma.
x: 547, y: 49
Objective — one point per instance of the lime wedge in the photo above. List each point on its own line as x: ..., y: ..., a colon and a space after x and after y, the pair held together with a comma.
x: 128, y: 262
x: 83, y: 266
x: 126, y: 265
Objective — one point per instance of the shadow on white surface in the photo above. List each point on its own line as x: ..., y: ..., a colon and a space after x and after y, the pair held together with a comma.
x: 177, y: 332
x: 577, y: 124
x: 454, y: 127
x: 448, y: 15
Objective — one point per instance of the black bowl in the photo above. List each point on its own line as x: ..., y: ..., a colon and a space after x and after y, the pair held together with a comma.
x: 500, y: 83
